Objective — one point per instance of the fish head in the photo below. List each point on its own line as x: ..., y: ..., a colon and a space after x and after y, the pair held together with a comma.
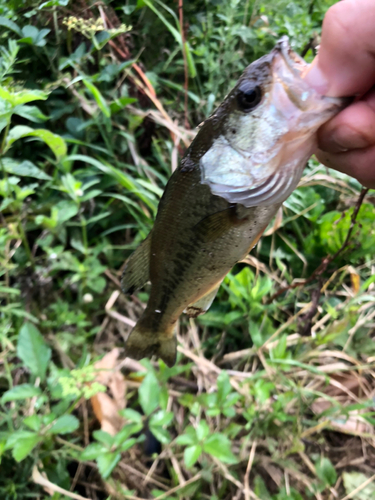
x: 265, y: 130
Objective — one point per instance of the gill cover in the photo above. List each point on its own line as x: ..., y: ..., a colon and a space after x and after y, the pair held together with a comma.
x: 267, y: 131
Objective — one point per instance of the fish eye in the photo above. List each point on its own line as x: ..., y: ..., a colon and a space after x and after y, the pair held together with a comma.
x: 248, y: 98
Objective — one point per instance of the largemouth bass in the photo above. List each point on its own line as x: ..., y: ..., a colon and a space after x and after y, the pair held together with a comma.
x: 244, y: 162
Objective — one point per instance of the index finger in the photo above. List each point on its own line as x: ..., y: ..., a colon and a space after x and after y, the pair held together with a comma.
x: 345, y: 64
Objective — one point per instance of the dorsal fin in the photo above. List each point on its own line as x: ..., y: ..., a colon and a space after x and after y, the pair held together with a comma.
x: 137, y: 270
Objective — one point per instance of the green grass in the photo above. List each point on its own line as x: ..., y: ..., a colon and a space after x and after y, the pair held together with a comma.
x: 272, y: 393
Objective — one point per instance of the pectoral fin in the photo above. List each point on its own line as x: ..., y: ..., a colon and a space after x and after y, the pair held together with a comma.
x: 216, y: 225
x: 203, y: 304
x: 137, y: 269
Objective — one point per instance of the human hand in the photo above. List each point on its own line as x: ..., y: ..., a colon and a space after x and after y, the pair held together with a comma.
x: 345, y: 66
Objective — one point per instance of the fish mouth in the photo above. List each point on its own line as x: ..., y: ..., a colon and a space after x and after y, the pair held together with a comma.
x: 290, y: 69
x: 294, y: 62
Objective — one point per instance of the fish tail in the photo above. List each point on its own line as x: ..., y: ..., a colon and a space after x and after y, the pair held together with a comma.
x: 143, y: 343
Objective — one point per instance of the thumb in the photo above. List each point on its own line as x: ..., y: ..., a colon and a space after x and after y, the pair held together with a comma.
x: 345, y: 65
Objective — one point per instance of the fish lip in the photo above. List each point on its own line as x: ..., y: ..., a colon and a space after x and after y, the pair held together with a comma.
x: 291, y: 58
x: 299, y: 67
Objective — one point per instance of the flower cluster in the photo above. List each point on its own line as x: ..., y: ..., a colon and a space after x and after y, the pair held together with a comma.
x: 88, y: 27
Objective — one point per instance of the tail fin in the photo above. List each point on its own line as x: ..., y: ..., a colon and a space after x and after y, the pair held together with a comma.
x: 143, y: 344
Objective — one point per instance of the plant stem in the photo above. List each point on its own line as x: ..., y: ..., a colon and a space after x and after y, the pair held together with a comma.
x: 26, y: 243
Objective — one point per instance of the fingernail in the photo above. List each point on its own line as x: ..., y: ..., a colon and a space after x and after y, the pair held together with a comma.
x: 317, y: 79
x: 346, y: 138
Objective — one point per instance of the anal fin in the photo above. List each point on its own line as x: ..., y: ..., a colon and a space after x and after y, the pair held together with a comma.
x: 203, y: 304
x: 137, y: 270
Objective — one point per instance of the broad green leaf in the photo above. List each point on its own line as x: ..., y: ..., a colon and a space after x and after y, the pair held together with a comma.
x: 188, y: 438
x: 99, y: 99
x: 22, y: 391
x: 260, y: 488
x: 47, y: 222
x: 126, y: 432
x: 53, y: 3
x: 190, y: 60
x: 31, y: 113
x: 279, y: 352
x: 92, y: 451
x: 10, y: 25
x: 66, y: 210
x: 23, y: 96
x: 24, y: 169
x: 353, y: 480
x: 93, y: 193
x: 132, y: 415
x: 262, y: 390
x: 23, y: 447
x: 107, y: 462
x: 149, y: 393
x: 5, y: 95
x: 162, y: 418
x: 128, y: 444
x: 55, y: 142
x: 223, y: 386
x: 218, y: 445
x: 202, y: 430
x: 22, y: 443
x: 33, y: 36
x: 191, y: 455
x: 161, y: 434
x: 8, y: 290
x: 65, y: 424
x: 5, y: 113
x: 30, y: 31
x: 367, y: 283
x: 326, y: 471
x: 33, y: 422
x: 32, y: 350
x: 120, y: 104
x: 104, y: 438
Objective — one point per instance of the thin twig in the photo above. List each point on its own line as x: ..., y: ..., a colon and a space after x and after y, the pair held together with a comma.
x: 359, y: 488
x: 186, y: 83
x: 39, y: 479
x: 178, y: 487
x: 247, y: 491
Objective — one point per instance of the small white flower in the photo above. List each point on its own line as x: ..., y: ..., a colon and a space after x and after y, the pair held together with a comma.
x: 87, y: 298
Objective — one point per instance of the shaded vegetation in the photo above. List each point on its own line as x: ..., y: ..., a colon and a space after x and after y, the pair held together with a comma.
x: 272, y: 394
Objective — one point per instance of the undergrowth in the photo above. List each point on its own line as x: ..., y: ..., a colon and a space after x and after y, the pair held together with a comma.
x: 272, y: 393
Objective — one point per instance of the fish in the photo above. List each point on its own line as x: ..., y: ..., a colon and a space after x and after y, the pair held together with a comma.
x: 245, y: 160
